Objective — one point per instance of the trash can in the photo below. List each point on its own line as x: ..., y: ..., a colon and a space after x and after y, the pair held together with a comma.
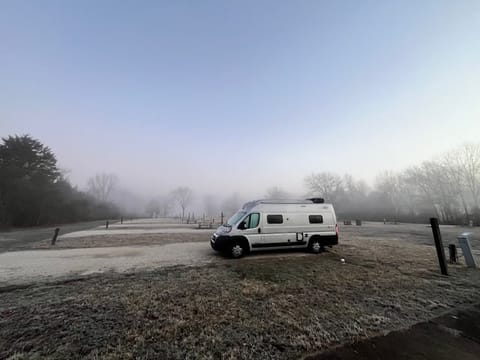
x: 358, y: 222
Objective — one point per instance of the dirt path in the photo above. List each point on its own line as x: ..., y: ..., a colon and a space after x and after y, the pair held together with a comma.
x: 15, y: 238
x: 26, y: 266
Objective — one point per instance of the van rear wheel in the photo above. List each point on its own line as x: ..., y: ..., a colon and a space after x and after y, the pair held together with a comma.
x: 315, y: 246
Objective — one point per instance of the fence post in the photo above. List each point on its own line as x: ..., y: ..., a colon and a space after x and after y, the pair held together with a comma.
x: 55, y: 234
x: 439, y: 245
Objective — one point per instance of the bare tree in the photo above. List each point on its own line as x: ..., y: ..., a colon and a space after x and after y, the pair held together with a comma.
x: 211, y: 205
x: 275, y: 192
x: 455, y: 176
x: 153, y: 208
x: 469, y: 160
x: 165, y: 205
x: 437, y: 187
x: 231, y: 204
x: 101, y: 185
x: 183, y: 196
x: 391, y: 185
x: 325, y: 184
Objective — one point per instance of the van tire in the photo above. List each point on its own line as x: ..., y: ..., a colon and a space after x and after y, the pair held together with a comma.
x: 237, y: 249
x: 315, y: 246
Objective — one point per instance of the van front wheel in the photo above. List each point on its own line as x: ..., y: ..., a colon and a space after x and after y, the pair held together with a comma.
x: 237, y: 250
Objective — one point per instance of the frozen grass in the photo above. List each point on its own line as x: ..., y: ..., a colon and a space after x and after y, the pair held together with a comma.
x: 272, y: 306
x: 106, y: 240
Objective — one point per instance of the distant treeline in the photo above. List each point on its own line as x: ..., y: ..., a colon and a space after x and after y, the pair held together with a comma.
x: 33, y: 190
x: 447, y: 187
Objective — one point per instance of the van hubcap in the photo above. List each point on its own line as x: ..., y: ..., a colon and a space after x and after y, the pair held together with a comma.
x: 237, y: 251
x: 316, y: 247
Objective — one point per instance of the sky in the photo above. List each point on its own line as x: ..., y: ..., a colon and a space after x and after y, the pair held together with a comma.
x: 238, y: 96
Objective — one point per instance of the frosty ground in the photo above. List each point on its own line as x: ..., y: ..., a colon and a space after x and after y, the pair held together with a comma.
x: 273, y: 305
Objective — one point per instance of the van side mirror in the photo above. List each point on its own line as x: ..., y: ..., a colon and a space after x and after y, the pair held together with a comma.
x: 242, y: 225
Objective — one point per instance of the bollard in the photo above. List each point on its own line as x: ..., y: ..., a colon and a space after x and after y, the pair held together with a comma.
x: 438, y: 245
x: 55, y: 234
x: 106, y: 224
x: 464, y: 242
x: 452, y: 250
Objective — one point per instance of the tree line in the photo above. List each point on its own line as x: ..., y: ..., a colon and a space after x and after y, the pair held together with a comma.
x: 34, y: 191
x: 447, y: 187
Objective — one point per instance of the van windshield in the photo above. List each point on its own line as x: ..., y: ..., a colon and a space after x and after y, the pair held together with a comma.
x: 236, y: 218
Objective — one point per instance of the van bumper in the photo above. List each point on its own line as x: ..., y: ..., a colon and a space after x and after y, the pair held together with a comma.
x: 220, y: 243
x: 329, y: 240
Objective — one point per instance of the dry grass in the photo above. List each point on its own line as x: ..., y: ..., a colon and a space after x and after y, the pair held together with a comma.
x: 120, y: 240
x: 262, y: 307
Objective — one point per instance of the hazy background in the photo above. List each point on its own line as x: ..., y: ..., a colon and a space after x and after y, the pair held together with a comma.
x: 238, y: 96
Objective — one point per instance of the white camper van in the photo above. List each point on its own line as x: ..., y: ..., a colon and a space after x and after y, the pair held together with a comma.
x: 278, y: 224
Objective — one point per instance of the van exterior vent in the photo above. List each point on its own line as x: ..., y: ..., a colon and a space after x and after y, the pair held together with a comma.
x: 317, y: 200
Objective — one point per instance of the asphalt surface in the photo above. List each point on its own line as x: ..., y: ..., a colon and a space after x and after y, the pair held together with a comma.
x: 16, y: 238
x: 453, y: 336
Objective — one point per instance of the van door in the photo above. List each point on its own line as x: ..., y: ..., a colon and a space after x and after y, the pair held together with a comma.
x: 275, y: 231
x: 251, y: 229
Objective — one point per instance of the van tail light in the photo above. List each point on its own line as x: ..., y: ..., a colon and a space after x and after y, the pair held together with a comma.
x: 336, y: 229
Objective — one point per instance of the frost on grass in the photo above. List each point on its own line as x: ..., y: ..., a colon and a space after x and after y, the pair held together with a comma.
x: 260, y: 308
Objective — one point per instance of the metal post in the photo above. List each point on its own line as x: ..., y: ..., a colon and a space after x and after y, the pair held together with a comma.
x: 55, y: 234
x: 439, y: 245
x: 464, y: 242
x: 452, y: 250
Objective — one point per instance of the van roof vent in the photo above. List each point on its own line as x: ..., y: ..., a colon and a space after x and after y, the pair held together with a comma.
x: 317, y: 200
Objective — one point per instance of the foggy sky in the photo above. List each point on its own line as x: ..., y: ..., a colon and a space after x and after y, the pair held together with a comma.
x: 229, y: 96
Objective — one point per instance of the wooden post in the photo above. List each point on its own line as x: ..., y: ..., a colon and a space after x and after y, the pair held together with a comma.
x: 121, y: 220
x: 55, y: 234
x: 221, y: 218
x: 439, y: 245
x: 106, y: 224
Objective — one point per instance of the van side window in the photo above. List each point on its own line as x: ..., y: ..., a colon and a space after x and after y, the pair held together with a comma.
x: 315, y: 219
x: 252, y: 220
x: 274, y: 219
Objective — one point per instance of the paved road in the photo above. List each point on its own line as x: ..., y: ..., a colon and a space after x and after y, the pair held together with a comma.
x: 18, y: 267
x: 16, y: 238
x: 453, y: 336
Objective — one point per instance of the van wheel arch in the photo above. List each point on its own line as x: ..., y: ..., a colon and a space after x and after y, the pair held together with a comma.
x: 239, y: 240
